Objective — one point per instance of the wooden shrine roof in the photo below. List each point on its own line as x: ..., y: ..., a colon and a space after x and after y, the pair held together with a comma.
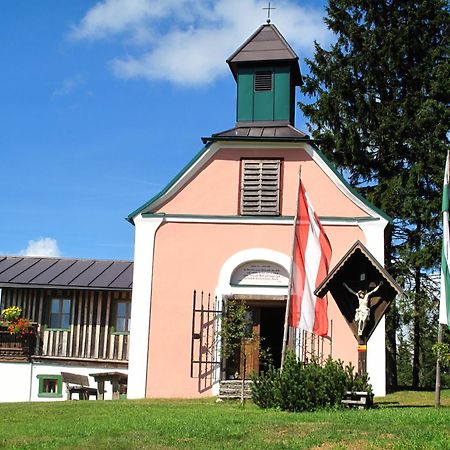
x: 65, y: 273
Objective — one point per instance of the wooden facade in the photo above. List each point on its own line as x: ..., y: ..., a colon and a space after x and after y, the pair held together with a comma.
x: 91, y: 335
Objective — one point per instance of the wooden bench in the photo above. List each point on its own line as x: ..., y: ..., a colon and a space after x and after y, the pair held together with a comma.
x: 78, y: 384
x: 360, y: 399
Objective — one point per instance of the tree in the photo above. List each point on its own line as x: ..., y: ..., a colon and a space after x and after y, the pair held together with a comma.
x: 380, y: 113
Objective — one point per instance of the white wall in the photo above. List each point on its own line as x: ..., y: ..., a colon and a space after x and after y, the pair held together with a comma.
x: 15, y: 381
x: 20, y: 383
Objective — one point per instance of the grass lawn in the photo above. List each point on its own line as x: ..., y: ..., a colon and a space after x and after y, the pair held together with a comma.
x: 405, y: 420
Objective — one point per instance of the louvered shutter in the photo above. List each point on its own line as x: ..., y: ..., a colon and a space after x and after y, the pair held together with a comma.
x: 260, y: 187
x: 263, y: 81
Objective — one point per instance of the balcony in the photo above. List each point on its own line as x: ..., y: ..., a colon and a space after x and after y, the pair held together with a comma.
x: 16, y: 348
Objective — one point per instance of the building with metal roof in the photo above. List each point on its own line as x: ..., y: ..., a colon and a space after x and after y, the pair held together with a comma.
x: 80, y: 312
x: 65, y: 273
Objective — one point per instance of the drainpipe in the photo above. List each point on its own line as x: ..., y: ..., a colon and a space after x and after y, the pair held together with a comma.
x: 31, y: 381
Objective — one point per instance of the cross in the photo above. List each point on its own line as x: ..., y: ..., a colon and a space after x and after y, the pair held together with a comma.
x: 268, y: 12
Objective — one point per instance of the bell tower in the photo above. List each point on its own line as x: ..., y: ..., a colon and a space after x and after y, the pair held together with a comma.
x: 267, y: 71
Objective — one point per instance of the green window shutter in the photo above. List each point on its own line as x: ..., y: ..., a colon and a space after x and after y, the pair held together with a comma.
x: 245, y: 97
x: 260, y: 187
x: 282, y: 88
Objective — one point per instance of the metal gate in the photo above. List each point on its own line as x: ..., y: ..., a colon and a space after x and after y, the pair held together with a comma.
x: 205, y: 340
x: 312, y: 347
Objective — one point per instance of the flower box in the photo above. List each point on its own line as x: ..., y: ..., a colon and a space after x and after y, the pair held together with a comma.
x: 16, y: 347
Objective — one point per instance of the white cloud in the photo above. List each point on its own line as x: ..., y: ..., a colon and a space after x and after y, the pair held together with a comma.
x: 68, y: 86
x: 187, y: 41
x: 42, y: 247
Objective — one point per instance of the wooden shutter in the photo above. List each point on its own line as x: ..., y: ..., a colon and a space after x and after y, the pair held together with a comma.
x: 260, y: 187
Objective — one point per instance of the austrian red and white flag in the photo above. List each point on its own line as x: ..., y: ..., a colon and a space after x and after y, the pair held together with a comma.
x: 311, y: 259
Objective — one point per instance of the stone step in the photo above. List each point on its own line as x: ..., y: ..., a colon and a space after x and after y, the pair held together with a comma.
x: 232, y: 389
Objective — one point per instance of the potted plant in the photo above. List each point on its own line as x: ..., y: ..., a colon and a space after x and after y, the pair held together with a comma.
x: 14, y: 323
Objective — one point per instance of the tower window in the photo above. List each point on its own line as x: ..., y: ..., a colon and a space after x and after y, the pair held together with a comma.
x: 260, y: 187
x: 263, y: 81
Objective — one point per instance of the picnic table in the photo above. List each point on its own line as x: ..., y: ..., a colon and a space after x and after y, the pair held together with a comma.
x: 115, y: 378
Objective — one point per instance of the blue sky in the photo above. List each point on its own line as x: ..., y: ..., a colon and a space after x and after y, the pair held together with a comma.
x: 102, y: 103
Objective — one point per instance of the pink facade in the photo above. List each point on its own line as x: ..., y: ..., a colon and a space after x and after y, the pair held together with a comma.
x: 190, y: 256
x: 215, y: 190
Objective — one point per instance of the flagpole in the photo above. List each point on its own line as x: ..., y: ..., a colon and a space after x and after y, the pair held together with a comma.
x: 443, y: 300
x: 437, y: 391
x: 288, y: 301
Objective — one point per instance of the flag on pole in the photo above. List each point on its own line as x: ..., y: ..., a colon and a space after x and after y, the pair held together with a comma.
x: 311, y: 259
x: 444, y: 307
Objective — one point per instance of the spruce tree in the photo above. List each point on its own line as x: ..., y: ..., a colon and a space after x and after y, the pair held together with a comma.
x: 379, y: 111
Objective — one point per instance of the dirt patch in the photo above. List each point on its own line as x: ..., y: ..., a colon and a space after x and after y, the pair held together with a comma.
x: 278, y: 432
x: 359, y: 444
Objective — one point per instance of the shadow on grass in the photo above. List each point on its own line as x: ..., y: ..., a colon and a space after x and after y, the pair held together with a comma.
x: 397, y: 405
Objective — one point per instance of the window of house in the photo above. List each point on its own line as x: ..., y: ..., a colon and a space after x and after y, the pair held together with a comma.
x: 260, y: 187
x: 122, y: 316
x: 59, y: 316
x: 50, y: 386
x: 262, y: 81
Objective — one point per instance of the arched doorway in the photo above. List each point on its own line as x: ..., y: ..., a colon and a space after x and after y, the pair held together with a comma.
x: 259, y: 286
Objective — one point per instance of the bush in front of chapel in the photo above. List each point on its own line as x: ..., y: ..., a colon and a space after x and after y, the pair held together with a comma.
x: 306, y: 387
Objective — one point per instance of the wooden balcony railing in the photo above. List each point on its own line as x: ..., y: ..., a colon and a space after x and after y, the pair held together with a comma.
x: 15, y: 347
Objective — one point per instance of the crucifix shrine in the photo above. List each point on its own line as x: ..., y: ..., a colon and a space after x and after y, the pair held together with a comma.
x: 363, y: 290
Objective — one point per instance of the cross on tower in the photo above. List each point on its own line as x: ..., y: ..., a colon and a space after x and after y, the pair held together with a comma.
x: 269, y: 8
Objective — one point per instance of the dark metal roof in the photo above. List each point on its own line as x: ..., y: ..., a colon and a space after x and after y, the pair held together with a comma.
x: 267, y: 44
x: 65, y: 273
x: 255, y: 131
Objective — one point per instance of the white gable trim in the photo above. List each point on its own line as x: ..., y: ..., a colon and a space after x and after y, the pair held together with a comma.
x: 258, y: 220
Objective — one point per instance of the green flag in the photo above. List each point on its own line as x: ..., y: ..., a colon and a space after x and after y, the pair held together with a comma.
x: 444, y: 307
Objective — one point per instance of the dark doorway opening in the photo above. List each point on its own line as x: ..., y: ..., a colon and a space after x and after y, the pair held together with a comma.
x: 264, y: 343
x: 272, y: 325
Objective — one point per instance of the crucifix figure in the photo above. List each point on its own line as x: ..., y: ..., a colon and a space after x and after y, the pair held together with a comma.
x: 268, y: 12
x: 362, y: 313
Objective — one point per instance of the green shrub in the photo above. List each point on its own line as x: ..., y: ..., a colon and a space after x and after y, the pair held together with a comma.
x: 306, y: 387
x: 264, y: 391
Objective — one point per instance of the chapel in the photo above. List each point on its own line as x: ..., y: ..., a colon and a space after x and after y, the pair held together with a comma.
x: 220, y: 233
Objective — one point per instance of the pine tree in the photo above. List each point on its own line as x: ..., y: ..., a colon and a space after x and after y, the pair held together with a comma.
x: 380, y: 113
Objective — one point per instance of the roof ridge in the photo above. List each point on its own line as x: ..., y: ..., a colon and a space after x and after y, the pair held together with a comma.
x: 66, y: 258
